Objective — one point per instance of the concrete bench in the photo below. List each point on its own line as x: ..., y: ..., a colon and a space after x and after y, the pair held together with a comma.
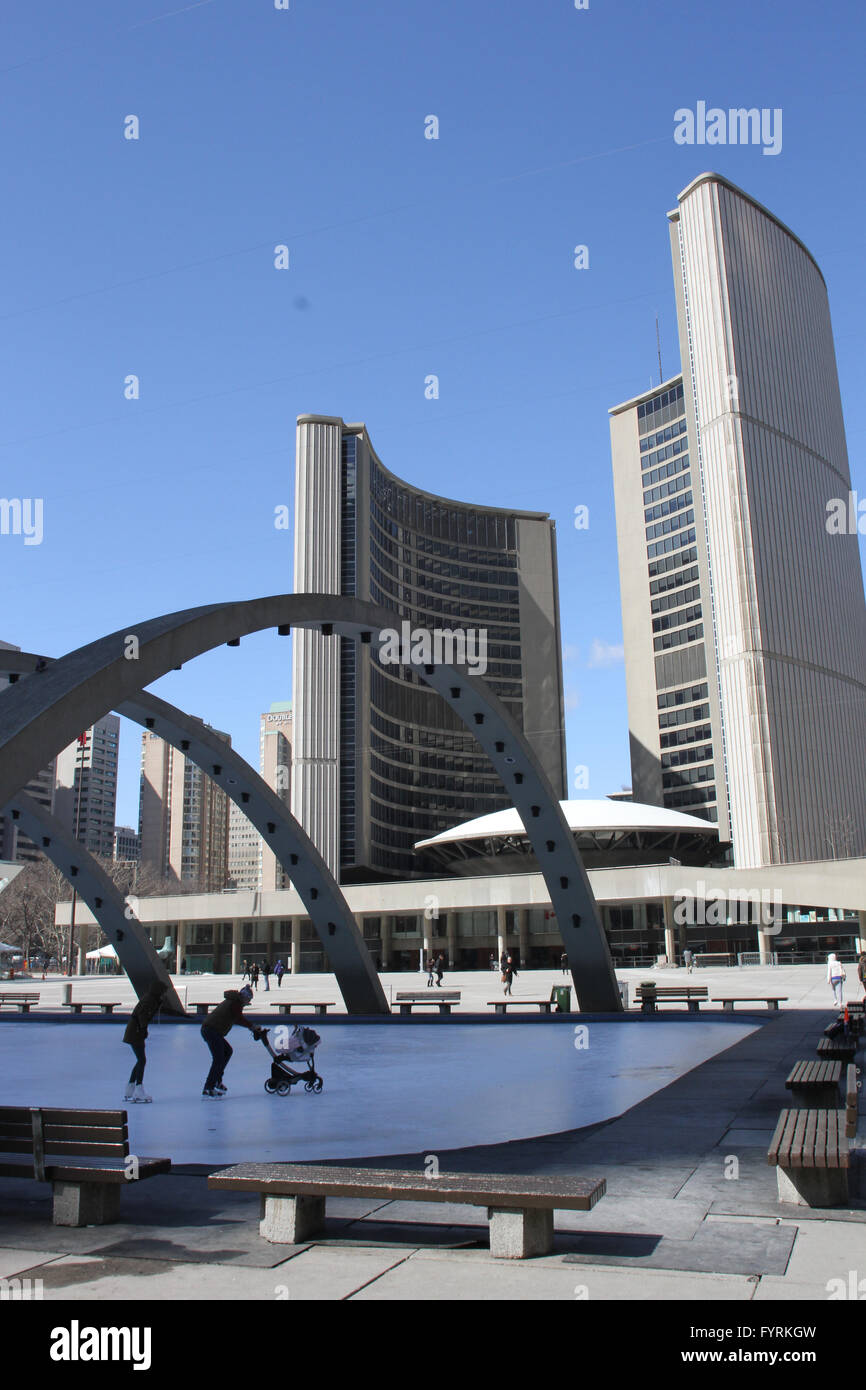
x: 840, y: 1049
x: 76, y: 1005
x: 772, y: 1001
x: 441, y: 999
x: 810, y: 1153
x: 648, y: 996
x: 84, y: 1154
x: 21, y: 1001
x: 202, y: 1008
x: 519, y: 1209
x: 815, y: 1083
x: 851, y: 1088
x: 304, y: 1005
x: 502, y: 1005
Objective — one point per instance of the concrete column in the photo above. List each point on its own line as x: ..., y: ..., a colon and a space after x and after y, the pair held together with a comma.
x: 861, y: 945
x: 671, y: 932
x: 269, y: 941
x: 428, y: 927
x: 523, y: 935
x: 764, y: 946
x: 296, y: 945
x: 451, y: 935
x: 501, y: 932
x: 386, y: 941
x: 236, y: 948
x: 180, y: 949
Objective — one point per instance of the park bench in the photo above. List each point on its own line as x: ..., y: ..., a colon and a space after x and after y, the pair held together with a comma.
x: 519, y: 1209
x: 76, y: 1005
x: 711, y: 958
x: 850, y: 1101
x: 202, y: 1008
x: 839, y: 1049
x: 815, y: 1083
x: 772, y: 1001
x: 441, y: 998
x: 305, y: 1006
x: 809, y: 1150
x: 648, y: 995
x: 502, y: 1005
x: 84, y: 1154
x: 23, y: 1002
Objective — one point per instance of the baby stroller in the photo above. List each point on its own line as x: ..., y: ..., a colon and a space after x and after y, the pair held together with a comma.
x: 300, y: 1049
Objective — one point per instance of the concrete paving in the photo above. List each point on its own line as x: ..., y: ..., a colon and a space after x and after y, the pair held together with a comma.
x: 691, y: 1210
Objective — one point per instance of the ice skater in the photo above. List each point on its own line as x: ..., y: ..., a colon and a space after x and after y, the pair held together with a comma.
x: 279, y: 972
x: 135, y: 1034
x: 215, y: 1030
x: 508, y: 975
x: 836, y: 978
x: 439, y: 968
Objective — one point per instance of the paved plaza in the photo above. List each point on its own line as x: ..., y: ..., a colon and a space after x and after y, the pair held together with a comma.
x: 691, y: 1210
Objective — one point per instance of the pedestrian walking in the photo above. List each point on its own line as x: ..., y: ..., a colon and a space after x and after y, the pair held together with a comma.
x: 266, y: 971
x: 687, y: 960
x: 508, y: 974
x: 836, y: 977
x: 491, y: 964
x: 215, y: 1030
x: 135, y: 1034
x: 431, y: 966
x: 245, y: 975
x: 861, y: 973
x: 254, y: 975
x: 279, y: 972
x: 563, y: 961
x: 439, y: 967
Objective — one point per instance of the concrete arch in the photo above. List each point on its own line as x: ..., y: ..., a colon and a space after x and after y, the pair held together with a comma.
x: 39, y: 719
x: 129, y: 939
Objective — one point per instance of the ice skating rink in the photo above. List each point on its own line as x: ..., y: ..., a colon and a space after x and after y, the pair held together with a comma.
x: 388, y: 1089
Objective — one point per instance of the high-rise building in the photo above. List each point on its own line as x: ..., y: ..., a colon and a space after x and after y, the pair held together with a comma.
x: 743, y: 614
x: 85, y: 786
x: 379, y: 761
x: 275, y: 765
x: 15, y: 846
x: 183, y: 817
x: 127, y: 844
x: 244, y: 852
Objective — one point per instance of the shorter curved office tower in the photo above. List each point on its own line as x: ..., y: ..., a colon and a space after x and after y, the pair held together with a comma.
x: 743, y: 607
x: 379, y: 761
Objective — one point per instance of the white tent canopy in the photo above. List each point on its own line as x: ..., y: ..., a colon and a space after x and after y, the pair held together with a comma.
x: 104, y: 952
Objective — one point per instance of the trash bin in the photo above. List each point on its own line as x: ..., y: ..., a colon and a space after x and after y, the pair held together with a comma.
x: 623, y: 992
x: 648, y: 996
x: 65, y: 993
x: 560, y: 998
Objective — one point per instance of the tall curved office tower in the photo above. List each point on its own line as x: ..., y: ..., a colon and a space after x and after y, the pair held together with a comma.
x: 743, y: 611
x: 379, y: 761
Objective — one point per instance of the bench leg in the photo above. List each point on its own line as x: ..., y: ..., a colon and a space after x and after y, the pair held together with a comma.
x: 694, y: 1006
x: 728, y: 1006
x: 773, y: 1005
x: 813, y: 1187
x: 444, y: 1008
x: 520, y: 1234
x: 291, y: 1220
x: 405, y: 1008
x: 86, y: 1203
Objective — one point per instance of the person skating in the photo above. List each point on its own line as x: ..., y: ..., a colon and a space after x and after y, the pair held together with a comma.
x: 279, y: 972
x: 254, y: 976
x: 431, y: 968
x: 215, y: 1030
x: 266, y: 971
x: 439, y: 968
x: 836, y: 978
x: 509, y: 974
x: 135, y: 1034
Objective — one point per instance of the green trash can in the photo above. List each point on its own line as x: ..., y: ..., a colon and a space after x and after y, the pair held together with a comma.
x: 560, y: 998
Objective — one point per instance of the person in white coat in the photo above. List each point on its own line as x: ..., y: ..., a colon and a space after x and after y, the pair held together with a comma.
x: 835, y: 977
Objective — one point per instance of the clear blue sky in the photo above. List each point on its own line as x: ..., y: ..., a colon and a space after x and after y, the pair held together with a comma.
x: 408, y: 257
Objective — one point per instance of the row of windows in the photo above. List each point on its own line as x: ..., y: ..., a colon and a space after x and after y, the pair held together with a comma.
x: 669, y: 451
x: 456, y: 743
x: 677, y: 619
x: 462, y: 593
x: 684, y: 736
x: 671, y: 432
x: 695, y: 796
x: 687, y: 715
x: 674, y: 523
x: 441, y: 520
x: 481, y: 575
x: 427, y: 782
x: 666, y: 508
x: 647, y: 409
x: 671, y: 543
x: 670, y: 698
x: 404, y: 562
x: 667, y: 470
x: 676, y: 579
x: 678, y: 638
x: 386, y: 801
x: 661, y: 605
x: 653, y: 494
x: 688, y: 755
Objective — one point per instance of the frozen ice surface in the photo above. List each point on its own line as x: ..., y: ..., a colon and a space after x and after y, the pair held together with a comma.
x: 388, y: 1089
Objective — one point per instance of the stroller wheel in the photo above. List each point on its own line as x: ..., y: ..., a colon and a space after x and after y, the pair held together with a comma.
x: 308, y: 1086
x: 270, y: 1087
x: 317, y: 1085
x: 284, y: 1089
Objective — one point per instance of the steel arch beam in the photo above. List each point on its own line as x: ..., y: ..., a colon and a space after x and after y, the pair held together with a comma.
x: 90, y: 881
x: 37, y: 720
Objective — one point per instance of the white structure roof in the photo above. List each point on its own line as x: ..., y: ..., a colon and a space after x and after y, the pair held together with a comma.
x: 587, y: 815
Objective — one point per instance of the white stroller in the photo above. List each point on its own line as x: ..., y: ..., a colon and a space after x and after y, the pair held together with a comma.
x: 300, y: 1049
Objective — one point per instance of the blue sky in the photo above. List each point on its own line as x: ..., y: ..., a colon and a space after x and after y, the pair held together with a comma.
x: 408, y: 257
